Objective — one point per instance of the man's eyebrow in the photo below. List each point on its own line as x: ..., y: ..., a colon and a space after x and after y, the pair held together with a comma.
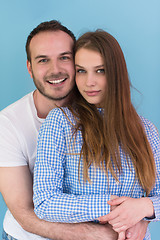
x: 65, y: 53
x: 41, y: 56
x: 61, y: 54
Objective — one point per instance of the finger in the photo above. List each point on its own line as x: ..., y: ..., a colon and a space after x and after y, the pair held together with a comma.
x: 104, y: 218
x: 116, y: 224
x: 133, y: 235
x: 110, y: 216
x: 103, y: 222
x: 128, y: 235
x: 120, y: 229
x: 117, y: 201
x: 121, y: 236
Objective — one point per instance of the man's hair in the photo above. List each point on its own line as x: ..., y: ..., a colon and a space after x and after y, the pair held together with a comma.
x: 52, y: 25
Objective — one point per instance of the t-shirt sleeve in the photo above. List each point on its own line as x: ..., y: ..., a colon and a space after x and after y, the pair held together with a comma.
x: 11, y: 154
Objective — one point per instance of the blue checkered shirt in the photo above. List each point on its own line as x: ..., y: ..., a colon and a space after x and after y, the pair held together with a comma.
x: 60, y: 193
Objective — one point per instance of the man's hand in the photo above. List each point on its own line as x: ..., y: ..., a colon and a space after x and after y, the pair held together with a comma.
x: 122, y: 236
x: 138, y: 231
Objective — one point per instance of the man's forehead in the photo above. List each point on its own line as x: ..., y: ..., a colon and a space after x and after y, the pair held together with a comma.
x: 51, y: 43
x: 59, y: 39
x: 52, y: 36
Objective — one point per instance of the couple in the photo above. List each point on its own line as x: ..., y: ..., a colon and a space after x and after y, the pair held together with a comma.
x: 97, y: 148
x: 50, y: 63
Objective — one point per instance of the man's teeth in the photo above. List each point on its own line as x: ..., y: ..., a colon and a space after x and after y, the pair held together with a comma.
x: 56, y: 81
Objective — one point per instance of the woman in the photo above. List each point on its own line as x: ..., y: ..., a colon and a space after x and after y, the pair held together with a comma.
x: 98, y: 148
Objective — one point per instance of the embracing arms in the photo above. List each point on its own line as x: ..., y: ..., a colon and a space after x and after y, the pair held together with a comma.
x: 16, y: 188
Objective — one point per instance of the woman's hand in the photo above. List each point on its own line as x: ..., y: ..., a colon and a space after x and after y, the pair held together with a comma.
x: 128, y: 212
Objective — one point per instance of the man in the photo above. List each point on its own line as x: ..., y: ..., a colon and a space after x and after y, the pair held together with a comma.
x: 50, y: 63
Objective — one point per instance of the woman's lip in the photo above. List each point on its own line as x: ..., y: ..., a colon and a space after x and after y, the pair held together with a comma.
x: 92, y: 93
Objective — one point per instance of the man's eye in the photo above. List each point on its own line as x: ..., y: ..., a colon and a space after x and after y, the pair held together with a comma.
x: 65, y: 58
x: 42, y: 60
x: 101, y: 70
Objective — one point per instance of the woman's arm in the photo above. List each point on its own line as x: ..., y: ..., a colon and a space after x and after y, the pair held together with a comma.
x: 131, y: 210
x: 51, y: 203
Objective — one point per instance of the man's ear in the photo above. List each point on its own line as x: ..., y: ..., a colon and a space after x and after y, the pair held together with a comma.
x: 29, y: 67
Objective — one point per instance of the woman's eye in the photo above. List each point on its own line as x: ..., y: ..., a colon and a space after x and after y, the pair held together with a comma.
x: 80, y: 71
x: 101, y: 70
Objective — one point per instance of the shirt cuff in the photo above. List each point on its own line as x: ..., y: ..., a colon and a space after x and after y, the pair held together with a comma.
x: 98, y: 206
x: 156, y: 204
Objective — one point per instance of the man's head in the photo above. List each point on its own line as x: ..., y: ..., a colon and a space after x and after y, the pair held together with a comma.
x: 50, y: 59
x: 52, y: 25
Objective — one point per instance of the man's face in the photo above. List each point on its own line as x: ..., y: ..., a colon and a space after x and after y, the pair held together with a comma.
x: 52, y: 65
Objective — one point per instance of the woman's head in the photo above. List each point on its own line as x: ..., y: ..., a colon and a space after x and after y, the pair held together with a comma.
x: 90, y: 76
x: 112, y: 64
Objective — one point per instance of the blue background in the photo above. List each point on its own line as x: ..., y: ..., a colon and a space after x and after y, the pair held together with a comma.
x: 134, y: 23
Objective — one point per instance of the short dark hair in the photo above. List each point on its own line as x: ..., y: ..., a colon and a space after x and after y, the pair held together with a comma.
x: 52, y: 25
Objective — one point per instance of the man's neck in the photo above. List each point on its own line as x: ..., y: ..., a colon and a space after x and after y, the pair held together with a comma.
x: 44, y: 105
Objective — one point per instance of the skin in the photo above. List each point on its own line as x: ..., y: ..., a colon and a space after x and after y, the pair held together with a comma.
x: 138, y: 231
x: 128, y: 212
x: 51, y: 60
x: 90, y: 76
x: 52, y: 69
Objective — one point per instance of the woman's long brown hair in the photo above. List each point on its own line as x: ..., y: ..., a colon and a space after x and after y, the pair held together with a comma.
x: 119, y: 125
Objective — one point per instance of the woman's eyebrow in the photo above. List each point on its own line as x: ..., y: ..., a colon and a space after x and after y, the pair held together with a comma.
x: 77, y: 65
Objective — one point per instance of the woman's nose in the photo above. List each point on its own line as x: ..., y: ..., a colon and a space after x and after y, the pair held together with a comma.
x: 90, y: 80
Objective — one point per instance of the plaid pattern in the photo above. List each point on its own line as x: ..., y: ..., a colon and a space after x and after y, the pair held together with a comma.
x: 60, y: 195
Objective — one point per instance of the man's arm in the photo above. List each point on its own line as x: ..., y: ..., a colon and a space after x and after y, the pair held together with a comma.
x: 16, y: 189
x: 17, y: 182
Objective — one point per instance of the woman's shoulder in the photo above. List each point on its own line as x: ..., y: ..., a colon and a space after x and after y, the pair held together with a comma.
x: 148, y: 125
x: 151, y: 130
x: 60, y: 114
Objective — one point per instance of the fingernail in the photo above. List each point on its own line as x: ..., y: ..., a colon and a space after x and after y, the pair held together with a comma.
x: 128, y: 235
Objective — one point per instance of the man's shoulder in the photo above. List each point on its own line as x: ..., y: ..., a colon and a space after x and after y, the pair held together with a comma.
x: 19, y: 103
x: 17, y: 108
x: 17, y: 112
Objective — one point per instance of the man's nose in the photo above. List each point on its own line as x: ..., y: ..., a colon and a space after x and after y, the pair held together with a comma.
x: 55, y: 67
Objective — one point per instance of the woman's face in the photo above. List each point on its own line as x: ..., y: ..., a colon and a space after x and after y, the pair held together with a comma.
x: 90, y: 76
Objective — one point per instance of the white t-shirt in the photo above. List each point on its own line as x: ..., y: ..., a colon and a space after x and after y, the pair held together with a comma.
x: 19, y: 126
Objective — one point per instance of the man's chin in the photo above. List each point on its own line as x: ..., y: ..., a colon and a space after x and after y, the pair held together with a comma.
x: 57, y: 98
